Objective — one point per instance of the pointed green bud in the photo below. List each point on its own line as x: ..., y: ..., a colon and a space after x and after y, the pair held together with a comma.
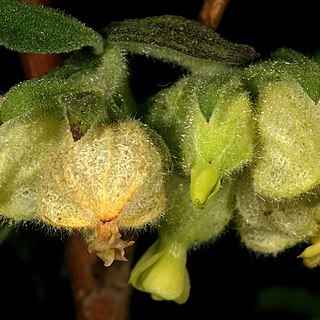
x: 289, y: 155
x: 205, y: 120
x: 205, y: 183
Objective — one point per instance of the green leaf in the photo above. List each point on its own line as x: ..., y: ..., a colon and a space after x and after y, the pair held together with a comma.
x: 72, y: 87
x: 28, y: 27
x: 179, y: 40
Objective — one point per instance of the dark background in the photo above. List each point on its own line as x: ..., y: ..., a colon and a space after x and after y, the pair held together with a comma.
x: 227, y: 280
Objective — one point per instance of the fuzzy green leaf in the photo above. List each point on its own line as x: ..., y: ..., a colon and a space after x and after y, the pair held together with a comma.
x: 28, y: 27
x: 179, y: 40
x: 71, y: 86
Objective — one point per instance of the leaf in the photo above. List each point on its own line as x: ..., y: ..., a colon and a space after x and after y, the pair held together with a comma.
x: 72, y: 87
x: 28, y: 27
x: 179, y: 40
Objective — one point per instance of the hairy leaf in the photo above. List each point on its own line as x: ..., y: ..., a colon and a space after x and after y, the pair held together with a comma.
x: 179, y: 40
x: 28, y: 27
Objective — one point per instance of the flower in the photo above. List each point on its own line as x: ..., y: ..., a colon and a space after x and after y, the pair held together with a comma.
x: 162, y: 272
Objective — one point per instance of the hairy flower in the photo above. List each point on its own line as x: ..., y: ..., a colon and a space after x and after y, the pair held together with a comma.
x: 112, y: 177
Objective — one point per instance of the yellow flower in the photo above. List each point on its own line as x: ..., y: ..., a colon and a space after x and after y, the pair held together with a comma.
x: 162, y: 272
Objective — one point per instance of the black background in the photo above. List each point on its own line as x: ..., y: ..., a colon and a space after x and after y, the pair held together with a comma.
x: 227, y: 280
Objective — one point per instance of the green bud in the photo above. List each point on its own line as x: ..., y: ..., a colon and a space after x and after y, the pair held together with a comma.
x: 205, y: 183
x: 289, y: 156
x: 205, y: 121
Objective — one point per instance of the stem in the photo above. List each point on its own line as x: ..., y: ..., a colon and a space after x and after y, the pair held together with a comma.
x: 35, y: 65
x: 99, y: 292
x: 212, y: 11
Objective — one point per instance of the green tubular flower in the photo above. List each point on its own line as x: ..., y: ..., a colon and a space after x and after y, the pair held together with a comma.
x: 208, y: 123
x: 161, y: 271
x: 289, y: 155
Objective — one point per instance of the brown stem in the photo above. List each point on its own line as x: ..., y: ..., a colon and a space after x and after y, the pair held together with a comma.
x: 212, y: 11
x: 99, y: 292
x: 35, y: 65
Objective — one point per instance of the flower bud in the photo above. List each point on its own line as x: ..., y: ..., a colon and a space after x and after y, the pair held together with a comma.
x: 112, y: 177
x: 205, y: 122
x: 205, y: 183
x: 162, y: 272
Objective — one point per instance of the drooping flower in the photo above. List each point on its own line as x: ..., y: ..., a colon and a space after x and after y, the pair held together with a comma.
x: 113, y: 177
